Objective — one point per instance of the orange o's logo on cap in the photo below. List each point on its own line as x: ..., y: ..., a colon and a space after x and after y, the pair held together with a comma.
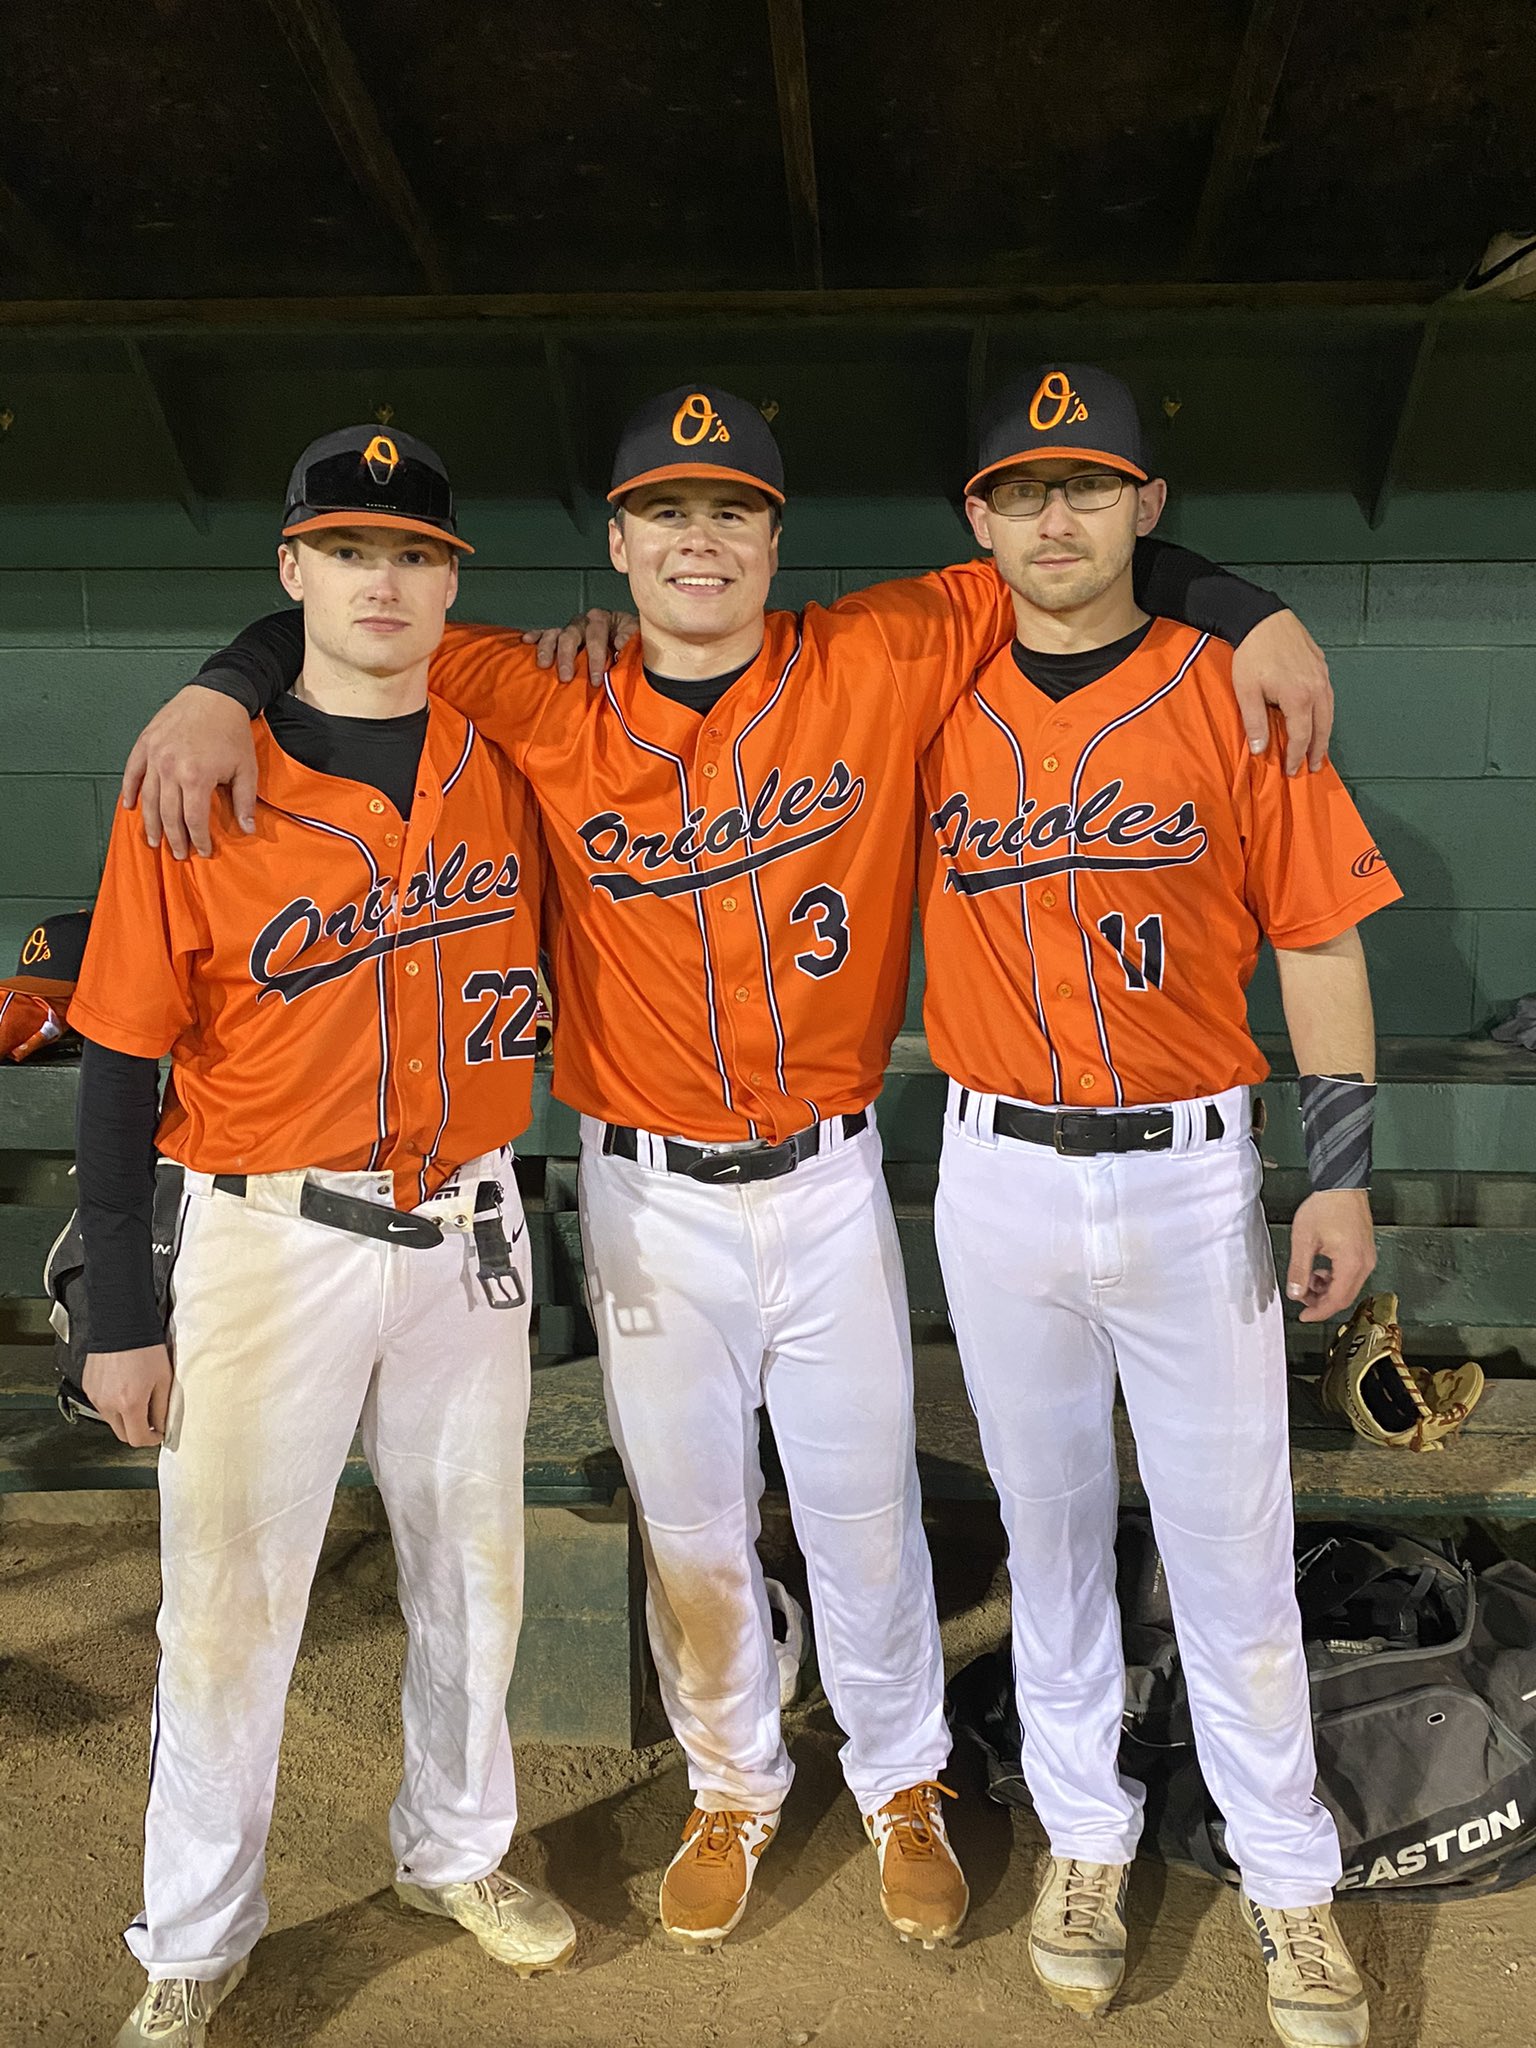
x: 36, y: 948
x: 382, y: 458
x: 696, y: 420
x: 1054, y: 402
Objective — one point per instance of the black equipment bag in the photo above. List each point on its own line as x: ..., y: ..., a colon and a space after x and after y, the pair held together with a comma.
x: 64, y: 1284
x: 1423, y: 1678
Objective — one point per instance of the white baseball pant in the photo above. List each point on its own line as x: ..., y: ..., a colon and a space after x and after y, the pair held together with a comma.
x: 710, y: 1303
x: 1060, y: 1272
x: 286, y: 1336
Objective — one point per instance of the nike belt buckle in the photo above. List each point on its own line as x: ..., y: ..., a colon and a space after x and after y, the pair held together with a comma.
x: 1059, y: 1134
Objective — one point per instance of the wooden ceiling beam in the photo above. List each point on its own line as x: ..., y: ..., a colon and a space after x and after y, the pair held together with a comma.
x: 1388, y: 300
x: 563, y: 376
x: 1408, y: 415
x: 1250, y: 100
x: 786, y: 31
x: 325, y: 57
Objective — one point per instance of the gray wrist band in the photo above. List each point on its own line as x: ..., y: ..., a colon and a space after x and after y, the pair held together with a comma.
x: 1337, y: 1113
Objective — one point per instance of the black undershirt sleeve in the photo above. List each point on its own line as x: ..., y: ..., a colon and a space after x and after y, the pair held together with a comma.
x: 1175, y: 583
x: 261, y: 662
x: 116, y: 1111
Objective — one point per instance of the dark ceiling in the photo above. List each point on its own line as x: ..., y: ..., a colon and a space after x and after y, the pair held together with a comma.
x: 218, y: 148
x: 222, y: 220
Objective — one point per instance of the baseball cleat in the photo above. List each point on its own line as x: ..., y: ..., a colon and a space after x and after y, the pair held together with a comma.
x: 515, y: 1924
x: 922, y: 1887
x: 174, y: 2011
x: 704, y: 1891
x: 1077, y: 1933
x: 1316, y: 1998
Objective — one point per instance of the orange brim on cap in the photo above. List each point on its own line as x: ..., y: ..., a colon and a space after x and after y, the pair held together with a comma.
x: 397, y: 520
x: 56, y: 992
x: 672, y: 470
x: 1057, y: 455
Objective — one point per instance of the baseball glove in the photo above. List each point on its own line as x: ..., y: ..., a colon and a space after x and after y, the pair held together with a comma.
x: 1386, y: 1400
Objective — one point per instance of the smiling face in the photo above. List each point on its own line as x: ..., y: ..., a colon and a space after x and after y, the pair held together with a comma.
x: 1061, y: 560
x: 699, y: 555
x: 374, y: 598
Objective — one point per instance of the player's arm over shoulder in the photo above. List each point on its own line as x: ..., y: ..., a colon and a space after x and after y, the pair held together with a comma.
x: 493, y: 676
x: 933, y: 630
x: 1313, y: 868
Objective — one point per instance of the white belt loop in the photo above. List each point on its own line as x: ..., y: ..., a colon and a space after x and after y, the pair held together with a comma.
x: 973, y: 1113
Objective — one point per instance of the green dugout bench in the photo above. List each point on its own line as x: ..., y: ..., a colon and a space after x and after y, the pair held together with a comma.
x: 1456, y: 1208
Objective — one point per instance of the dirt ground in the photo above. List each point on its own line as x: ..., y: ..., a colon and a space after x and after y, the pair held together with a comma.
x: 343, y: 1965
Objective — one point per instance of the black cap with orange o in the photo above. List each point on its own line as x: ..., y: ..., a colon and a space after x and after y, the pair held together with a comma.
x: 371, y: 476
x: 1061, y: 410
x: 697, y: 430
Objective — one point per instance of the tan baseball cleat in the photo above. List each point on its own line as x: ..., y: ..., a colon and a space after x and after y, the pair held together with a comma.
x: 704, y: 1891
x: 1316, y: 1999
x: 1077, y: 1933
x: 922, y: 1886
x: 514, y: 1923
x: 174, y: 2011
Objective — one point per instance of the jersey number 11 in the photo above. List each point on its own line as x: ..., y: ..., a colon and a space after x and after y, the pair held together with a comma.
x: 1148, y: 971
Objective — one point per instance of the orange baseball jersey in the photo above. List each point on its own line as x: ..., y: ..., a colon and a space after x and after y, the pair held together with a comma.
x: 735, y: 889
x: 1099, y: 872
x: 343, y: 988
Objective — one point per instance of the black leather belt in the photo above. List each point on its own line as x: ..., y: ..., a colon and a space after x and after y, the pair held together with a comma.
x: 498, y: 1278
x: 1084, y: 1133
x: 731, y: 1165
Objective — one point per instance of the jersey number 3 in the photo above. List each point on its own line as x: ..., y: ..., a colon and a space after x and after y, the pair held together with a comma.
x: 828, y: 910
x: 515, y: 1040
x: 1148, y: 971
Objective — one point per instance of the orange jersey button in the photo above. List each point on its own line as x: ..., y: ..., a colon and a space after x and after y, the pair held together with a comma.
x: 1050, y: 762
x: 1048, y: 898
x: 1063, y: 988
x: 377, y: 806
x: 727, y: 902
x: 743, y: 995
x: 710, y: 769
x: 1087, y: 1080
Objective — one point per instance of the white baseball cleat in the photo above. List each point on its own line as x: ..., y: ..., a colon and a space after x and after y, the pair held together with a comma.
x: 174, y: 2011
x: 1077, y: 1933
x: 1316, y: 1998
x: 704, y: 1891
x: 514, y: 1923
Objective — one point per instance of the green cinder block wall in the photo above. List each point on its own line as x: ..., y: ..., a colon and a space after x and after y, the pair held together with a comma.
x: 102, y: 614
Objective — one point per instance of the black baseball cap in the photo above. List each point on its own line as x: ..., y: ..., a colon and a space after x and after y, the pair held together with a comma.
x: 51, y: 957
x: 698, y: 430
x: 1056, y: 410
x: 367, y: 476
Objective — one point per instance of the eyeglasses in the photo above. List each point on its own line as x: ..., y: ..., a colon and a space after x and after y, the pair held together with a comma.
x: 1026, y: 497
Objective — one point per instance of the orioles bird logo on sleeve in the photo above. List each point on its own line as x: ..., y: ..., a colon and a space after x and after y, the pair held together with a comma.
x: 382, y: 458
